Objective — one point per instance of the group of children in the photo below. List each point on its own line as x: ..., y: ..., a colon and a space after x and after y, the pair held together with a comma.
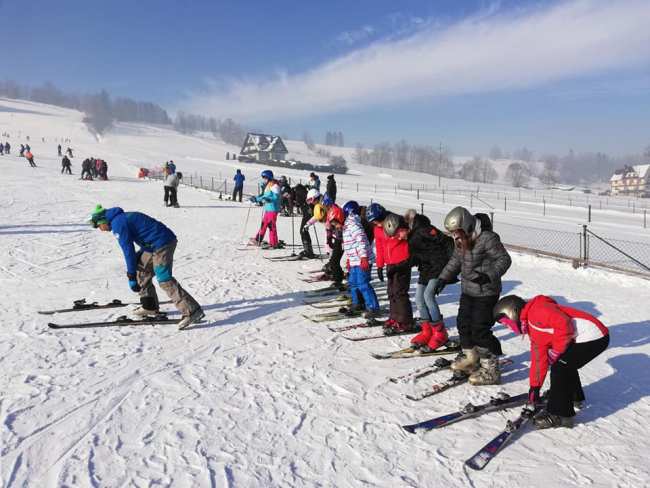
x: 562, y: 338
x: 5, y: 148
x: 92, y: 168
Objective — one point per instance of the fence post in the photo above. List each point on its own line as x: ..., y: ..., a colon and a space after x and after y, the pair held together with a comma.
x: 395, y: 189
x: 492, y: 218
x: 375, y: 187
x: 411, y: 186
x: 191, y: 180
x: 443, y: 196
x: 505, y: 204
x: 633, y: 207
x: 584, y: 244
x: 418, y: 192
x: 225, y: 186
x: 357, y: 187
x: 471, y: 200
x: 644, y: 218
x: 544, y: 201
x: 422, y: 208
x: 212, y: 184
x: 589, y: 213
x: 201, y: 181
x: 371, y: 201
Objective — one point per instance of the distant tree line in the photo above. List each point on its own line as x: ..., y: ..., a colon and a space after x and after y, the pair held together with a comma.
x: 402, y: 155
x: 101, y: 111
x: 334, y: 139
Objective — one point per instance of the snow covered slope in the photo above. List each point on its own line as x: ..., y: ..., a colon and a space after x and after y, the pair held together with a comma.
x: 258, y: 395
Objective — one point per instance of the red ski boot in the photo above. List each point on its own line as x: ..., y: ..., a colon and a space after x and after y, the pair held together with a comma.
x: 438, y: 338
x: 423, y: 337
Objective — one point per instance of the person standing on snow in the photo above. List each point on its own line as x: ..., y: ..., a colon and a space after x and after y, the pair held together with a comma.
x: 172, y: 180
x: 22, y: 150
x: 312, y: 211
x: 66, y: 165
x: 7, y: 148
x: 430, y: 251
x: 314, y: 182
x: 58, y: 150
x: 481, y: 260
x: 154, y: 258
x: 239, y: 186
x: 30, y: 158
x: 331, y: 188
x: 271, y: 201
x: 561, y: 337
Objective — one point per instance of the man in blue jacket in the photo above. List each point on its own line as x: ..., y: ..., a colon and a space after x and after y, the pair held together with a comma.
x: 239, y: 185
x: 155, y: 257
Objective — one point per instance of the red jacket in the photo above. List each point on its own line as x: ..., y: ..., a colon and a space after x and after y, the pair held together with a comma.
x: 554, y: 326
x: 391, y: 250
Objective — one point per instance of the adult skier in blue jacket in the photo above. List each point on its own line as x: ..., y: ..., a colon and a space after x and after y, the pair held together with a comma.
x: 155, y: 257
x: 239, y: 185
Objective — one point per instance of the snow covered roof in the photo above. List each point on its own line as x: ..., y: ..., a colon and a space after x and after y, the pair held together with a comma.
x: 255, y: 143
x: 636, y: 171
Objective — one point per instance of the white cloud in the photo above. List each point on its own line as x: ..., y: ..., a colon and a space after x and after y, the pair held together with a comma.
x: 355, y: 36
x: 481, y: 54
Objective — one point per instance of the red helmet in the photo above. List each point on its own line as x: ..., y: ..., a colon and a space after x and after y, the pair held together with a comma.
x: 335, y: 213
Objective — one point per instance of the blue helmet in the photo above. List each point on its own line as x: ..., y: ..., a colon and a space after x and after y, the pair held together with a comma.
x: 327, y: 200
x: 268, y: 174
x: 351, y: 207
x: 375, y: 212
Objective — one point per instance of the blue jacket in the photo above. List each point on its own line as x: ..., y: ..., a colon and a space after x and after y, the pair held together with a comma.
x: 239, y: 180
x: 271, y: 197
x: 137, y: 228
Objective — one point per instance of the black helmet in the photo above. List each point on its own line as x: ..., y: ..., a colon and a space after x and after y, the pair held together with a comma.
x: 460, y: 218
x: 509, y: 306
x: 391, y: 224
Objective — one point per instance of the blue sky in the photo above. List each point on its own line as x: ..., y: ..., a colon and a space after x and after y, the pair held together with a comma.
x: 548, y: 75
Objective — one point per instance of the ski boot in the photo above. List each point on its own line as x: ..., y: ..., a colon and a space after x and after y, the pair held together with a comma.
x: 488, y: 373
x: 371, y: 315
x: 466, y: 362
x: 438, y: 337
x: 351, y: 311
x: 148, y: 308
x: 423, y: 337
x: 187, y: 320
x: 396, y: 328
x: 545, y: 420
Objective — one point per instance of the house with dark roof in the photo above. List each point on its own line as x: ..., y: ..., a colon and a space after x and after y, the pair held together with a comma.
x: 263, y: 147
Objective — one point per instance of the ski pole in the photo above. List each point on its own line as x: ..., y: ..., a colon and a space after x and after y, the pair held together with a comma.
x: 246, y: 222
x: 293, y: 235
x: 318, y: 244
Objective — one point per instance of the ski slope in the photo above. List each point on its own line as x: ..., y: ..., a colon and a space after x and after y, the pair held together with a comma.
x: 257, y: 395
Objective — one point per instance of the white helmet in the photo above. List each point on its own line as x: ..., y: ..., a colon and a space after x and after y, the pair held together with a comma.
x: 313, y: 194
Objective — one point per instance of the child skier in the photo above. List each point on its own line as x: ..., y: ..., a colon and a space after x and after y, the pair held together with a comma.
x: 358, y: 253
x: 561, y: 337
x: 430, y: 251
x: 481, y: 260
x: 392, y: 250
x: 271, y: 200
x: 30, y: 158
x: 155, y: 257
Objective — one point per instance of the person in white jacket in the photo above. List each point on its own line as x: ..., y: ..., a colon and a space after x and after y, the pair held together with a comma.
x: 172, y: 181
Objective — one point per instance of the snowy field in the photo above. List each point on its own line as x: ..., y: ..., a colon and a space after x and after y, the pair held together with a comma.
x: 257, y: 396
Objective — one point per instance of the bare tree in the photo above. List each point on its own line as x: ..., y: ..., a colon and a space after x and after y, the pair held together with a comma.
x: 496, y: 153
x: 308, y: 140
x: 518, y: 174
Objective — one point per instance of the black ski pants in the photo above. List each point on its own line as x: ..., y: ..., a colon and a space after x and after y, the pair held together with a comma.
x: 565, y: 380
x: 475, y: 321
x: 304, y: 233
x: 398, y: 282
x: 168, y: 190
x: 335, y: 261
x: 237, y: 191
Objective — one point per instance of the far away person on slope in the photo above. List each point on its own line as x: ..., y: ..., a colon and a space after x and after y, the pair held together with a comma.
x: 155, y: 257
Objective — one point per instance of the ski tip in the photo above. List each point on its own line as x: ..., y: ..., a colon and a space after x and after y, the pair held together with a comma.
x: 470, y: 463
x: 53, y: 326
x: 409, y: 428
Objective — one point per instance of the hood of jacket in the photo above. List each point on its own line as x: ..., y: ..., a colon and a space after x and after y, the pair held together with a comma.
x: 113, y: 212
x: 538, y: 300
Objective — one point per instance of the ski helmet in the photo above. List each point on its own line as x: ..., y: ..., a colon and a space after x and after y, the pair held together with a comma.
x: 313, y: 194
x: 460, y: 218
x: 336, y: 213
x: 268, y: 174
x: 391, y: 224
x: 320, y: 212
x: 375, y: 212
x: 351, y: 207
x: 508, y: 311
x: 327, y: 200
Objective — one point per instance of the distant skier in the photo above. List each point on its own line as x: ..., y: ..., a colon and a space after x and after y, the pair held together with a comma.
x: 561, y: 337
x: 66, y: 165
x: 331, y: 187
x: 98, y: 167
x: 30, y: 158
x: 172, y: 167
x: 103, y: 170
x: 155, y: 257
x: 239, y: 186
x: 58, y: 148
x: 481, y: 260
x: 271, y: 201
x: 22, y: 150
x: 2, y: 149
x: 171, y: 189
x: 287, y: 197
x: 69, y: 152
x: 430, y: 251
x: 86, y: 173
x: 27, y: 146
x: 7, y: 148
x: 314, y: 182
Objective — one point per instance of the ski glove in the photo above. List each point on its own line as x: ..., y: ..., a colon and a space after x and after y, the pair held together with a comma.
x: 553, y: 356
x: 481, y: 278
x: 440, y: 285
x: 380, y: 274
x: 365, y: 265
x: 133, y: 282
x: 253, y: 199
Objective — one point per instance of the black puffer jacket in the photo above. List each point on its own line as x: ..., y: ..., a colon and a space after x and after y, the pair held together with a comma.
x: 429, y: 248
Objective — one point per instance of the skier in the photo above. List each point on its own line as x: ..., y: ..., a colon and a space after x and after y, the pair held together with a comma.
x: 172, y: 181
x: 22, y: 150
x: 27, y: 146
x: 287, y: 197
x: 271, y: 201
x: 103, y: 170
x: 155, y: 257
x: 358, y: 254
x: 239, y: 185
x: 561, y: 337
x: 481, y: 260
x: 299, y: 197
x: 30, y: 157
x: 430, y: 251
x: 2, y: 149
x: 331, y: 188
x: 392, y: 250
x: 58, y: 149
x: 98, y: 167
x: 314, y: 182
x: 334, y: 236
x: 66, y: 165
x: 85, y: 170
x: 312, y: 211
x: 7, y: 148
x: 172, y: 167
x: 69, y: 151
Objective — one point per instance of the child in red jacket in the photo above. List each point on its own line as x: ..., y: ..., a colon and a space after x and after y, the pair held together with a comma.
x: 392, y: 250
x: 563, y: 338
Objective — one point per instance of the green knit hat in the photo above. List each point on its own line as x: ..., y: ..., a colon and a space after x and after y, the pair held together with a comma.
x: 98, y: 216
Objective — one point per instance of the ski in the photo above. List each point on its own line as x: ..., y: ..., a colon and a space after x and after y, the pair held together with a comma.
x: 502, y: 401
x: 326, y: 301
x: 375, y: 336
x: 451, y: 347
x: 361, y: 325
x: 479, y: 460
x: 343, y: 302
x: 79, y: 305
x: 438, y: 365
x: 294, y: 257
x: 456, y: 379
x: 316, y: 279
x: 327, y: 290
x: 120, y: 321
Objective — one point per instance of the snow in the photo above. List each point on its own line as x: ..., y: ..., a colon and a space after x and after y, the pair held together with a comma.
x: 258, y: 395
